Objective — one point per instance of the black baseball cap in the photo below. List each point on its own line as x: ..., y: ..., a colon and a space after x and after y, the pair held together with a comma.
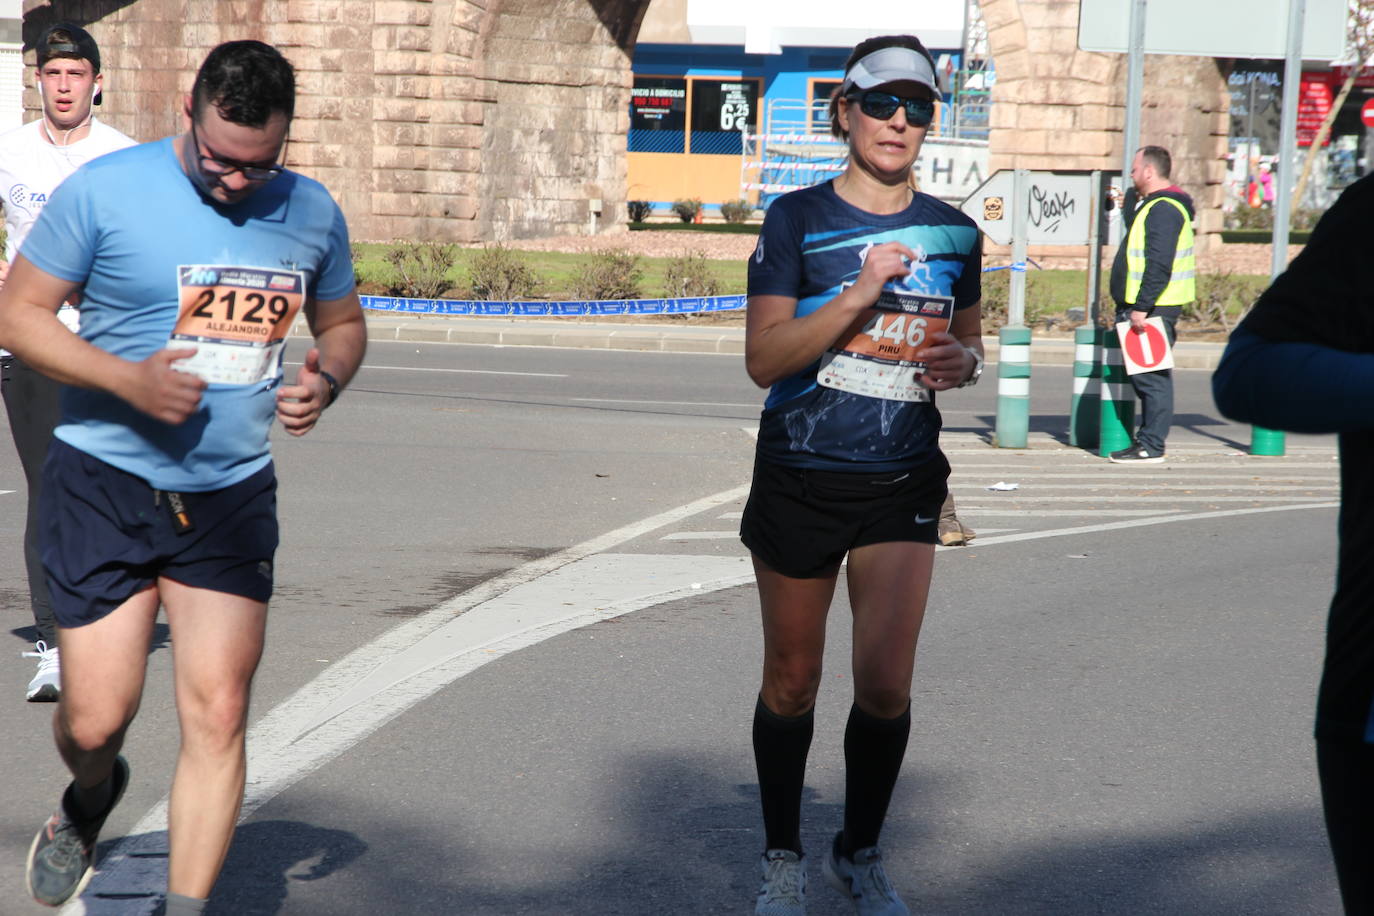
x: 62, y: 39
x: 76, y: 43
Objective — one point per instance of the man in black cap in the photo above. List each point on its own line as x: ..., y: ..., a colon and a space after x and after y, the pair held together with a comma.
x: 34, y: 160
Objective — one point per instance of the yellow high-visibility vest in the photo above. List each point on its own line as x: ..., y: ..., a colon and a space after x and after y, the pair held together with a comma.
x: 1182, y: 286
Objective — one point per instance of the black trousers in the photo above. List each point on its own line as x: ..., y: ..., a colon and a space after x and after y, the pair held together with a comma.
x: 32, y: 402
x: 1156, y: 392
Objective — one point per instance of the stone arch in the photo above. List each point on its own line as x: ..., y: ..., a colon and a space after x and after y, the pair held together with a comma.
x: 555, y: 126
x: 455, y: 120
x: 1057, y: 107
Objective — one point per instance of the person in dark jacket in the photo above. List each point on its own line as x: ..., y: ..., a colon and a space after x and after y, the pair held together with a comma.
x: 1303, y: 360
x: 1153, y: 275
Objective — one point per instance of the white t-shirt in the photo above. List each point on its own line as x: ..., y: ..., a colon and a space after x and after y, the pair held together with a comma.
x: 31, y: 168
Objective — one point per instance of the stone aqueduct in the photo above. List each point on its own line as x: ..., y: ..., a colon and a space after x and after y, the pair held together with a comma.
x: 476, y: 120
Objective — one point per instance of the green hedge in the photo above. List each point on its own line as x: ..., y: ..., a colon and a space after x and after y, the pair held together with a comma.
x: 1262, y: 236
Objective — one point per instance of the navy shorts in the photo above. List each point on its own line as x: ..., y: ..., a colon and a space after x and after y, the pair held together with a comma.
x: 107, y: 534
x: 802, y: 522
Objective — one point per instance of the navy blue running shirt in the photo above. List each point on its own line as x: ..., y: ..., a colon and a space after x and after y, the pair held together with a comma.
x: 812, y: 245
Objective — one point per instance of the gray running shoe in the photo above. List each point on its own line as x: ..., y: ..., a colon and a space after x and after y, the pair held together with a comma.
x: 783, y: 892
x: 46, y: 685
x: 61, y: 859
x: 863, y: 881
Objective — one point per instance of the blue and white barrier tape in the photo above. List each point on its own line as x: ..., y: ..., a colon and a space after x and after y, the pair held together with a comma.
x: 555, y: 309
x: 1015, y: 268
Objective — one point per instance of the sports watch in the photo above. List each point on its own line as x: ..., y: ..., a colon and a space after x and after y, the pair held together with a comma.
x: 977, y: 369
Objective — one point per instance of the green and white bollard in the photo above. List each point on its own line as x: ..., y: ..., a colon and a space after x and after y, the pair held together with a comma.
x: 1085, y: 406
x: 1268, y: 443
x: 1118, y: 398
x: 1013, y: 387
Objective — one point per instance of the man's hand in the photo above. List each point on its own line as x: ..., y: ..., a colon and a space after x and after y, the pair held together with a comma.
x: 1138, y: 321
x: 162, y: 391
x: 948, y: 362
x: 299, y: 406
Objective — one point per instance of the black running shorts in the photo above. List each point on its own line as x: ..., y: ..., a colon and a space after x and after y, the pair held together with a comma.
x: 802, y: 522
x: 106, y: 535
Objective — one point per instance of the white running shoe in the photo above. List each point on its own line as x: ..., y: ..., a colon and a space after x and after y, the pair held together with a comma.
x: 863, y: 881
x: 46, y: 685
x: 783, y: 892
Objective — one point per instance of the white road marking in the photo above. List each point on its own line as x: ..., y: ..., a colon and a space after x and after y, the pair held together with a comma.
x: 994, y: 511
x: 368, y: 366
x: 354, y: 697
x: 1242, y: 477
x: 1170, y: 485
x: 1022, y: 497
x: 666, y: 403
x: 280, y: 751
x: 700, y: 535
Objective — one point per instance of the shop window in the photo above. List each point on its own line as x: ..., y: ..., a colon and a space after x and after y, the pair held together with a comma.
x: 820, y: 104
x: 722, y: 111
x: 658, y: 115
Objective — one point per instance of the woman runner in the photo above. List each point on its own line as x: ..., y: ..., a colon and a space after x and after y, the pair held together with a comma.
x: 863, y: 302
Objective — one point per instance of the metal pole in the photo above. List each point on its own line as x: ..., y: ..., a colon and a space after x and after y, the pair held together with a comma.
x: 1013, y: 341
x: 1268, y: 441
x: 1135, y: 80
x: 1288, y: 137
x: 1085, y: 400
x: 1091, y: 313
x: 1016, y: 294
x: 1250, y: 126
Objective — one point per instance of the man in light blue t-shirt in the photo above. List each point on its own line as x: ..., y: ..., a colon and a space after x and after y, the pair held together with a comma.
x: 192, y: 255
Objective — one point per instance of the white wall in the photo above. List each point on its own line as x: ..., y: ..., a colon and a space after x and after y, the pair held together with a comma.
x: 764, y: 26
x: 11, y: 64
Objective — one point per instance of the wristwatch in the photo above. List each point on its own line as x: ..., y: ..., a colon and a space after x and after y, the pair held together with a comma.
x: 977, y: 369
x: 333, y: 384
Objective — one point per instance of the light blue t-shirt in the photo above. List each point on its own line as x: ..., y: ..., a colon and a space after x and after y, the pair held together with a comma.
x: 123, y: 226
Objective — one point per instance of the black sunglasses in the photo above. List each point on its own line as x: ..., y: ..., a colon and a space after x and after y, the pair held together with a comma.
x: 221, y: 167
x: 883, y: 105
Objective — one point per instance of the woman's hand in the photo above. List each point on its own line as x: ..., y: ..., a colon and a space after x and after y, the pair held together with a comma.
x: 948, y: 362
x: 883, y: 263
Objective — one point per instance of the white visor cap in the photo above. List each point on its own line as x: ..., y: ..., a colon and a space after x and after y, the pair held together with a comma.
x: 890, y: 65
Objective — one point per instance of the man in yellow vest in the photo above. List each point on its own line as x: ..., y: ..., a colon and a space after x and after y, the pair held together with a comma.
x: 1153, y: 275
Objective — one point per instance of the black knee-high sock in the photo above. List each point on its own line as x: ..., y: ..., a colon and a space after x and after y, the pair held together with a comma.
x: 781, y: 744
x: 1348, y: 800
x: 873, y: 752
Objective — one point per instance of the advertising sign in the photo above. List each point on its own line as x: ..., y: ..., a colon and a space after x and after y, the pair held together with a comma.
x: 1256, y: 29
x: 658, y: 103
x: 1058, y: 205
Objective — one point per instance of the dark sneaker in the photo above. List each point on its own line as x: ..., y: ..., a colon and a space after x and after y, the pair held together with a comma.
x: 1136, y: 454
x: 61, y: 858
x: 783, y: 891
x: 863, y: 880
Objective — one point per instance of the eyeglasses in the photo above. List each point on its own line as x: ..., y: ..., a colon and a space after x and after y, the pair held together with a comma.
x: 883, y: 105
x: 220, y: 167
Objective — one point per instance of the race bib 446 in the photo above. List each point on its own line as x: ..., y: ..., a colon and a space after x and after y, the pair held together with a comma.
x: 877, y: 355
x: 237, y: 319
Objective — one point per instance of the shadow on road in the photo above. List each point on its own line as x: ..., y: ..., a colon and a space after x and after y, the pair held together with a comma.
x: 687, y: 843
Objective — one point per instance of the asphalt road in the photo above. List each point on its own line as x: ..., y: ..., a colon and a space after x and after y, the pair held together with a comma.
x: 513, y: 655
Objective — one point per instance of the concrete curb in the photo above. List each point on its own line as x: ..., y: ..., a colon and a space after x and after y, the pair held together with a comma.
x: 666, y: 335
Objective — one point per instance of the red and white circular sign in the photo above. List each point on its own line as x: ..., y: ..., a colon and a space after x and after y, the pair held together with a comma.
x: 1146, y: 350
x: 1367, y: 113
